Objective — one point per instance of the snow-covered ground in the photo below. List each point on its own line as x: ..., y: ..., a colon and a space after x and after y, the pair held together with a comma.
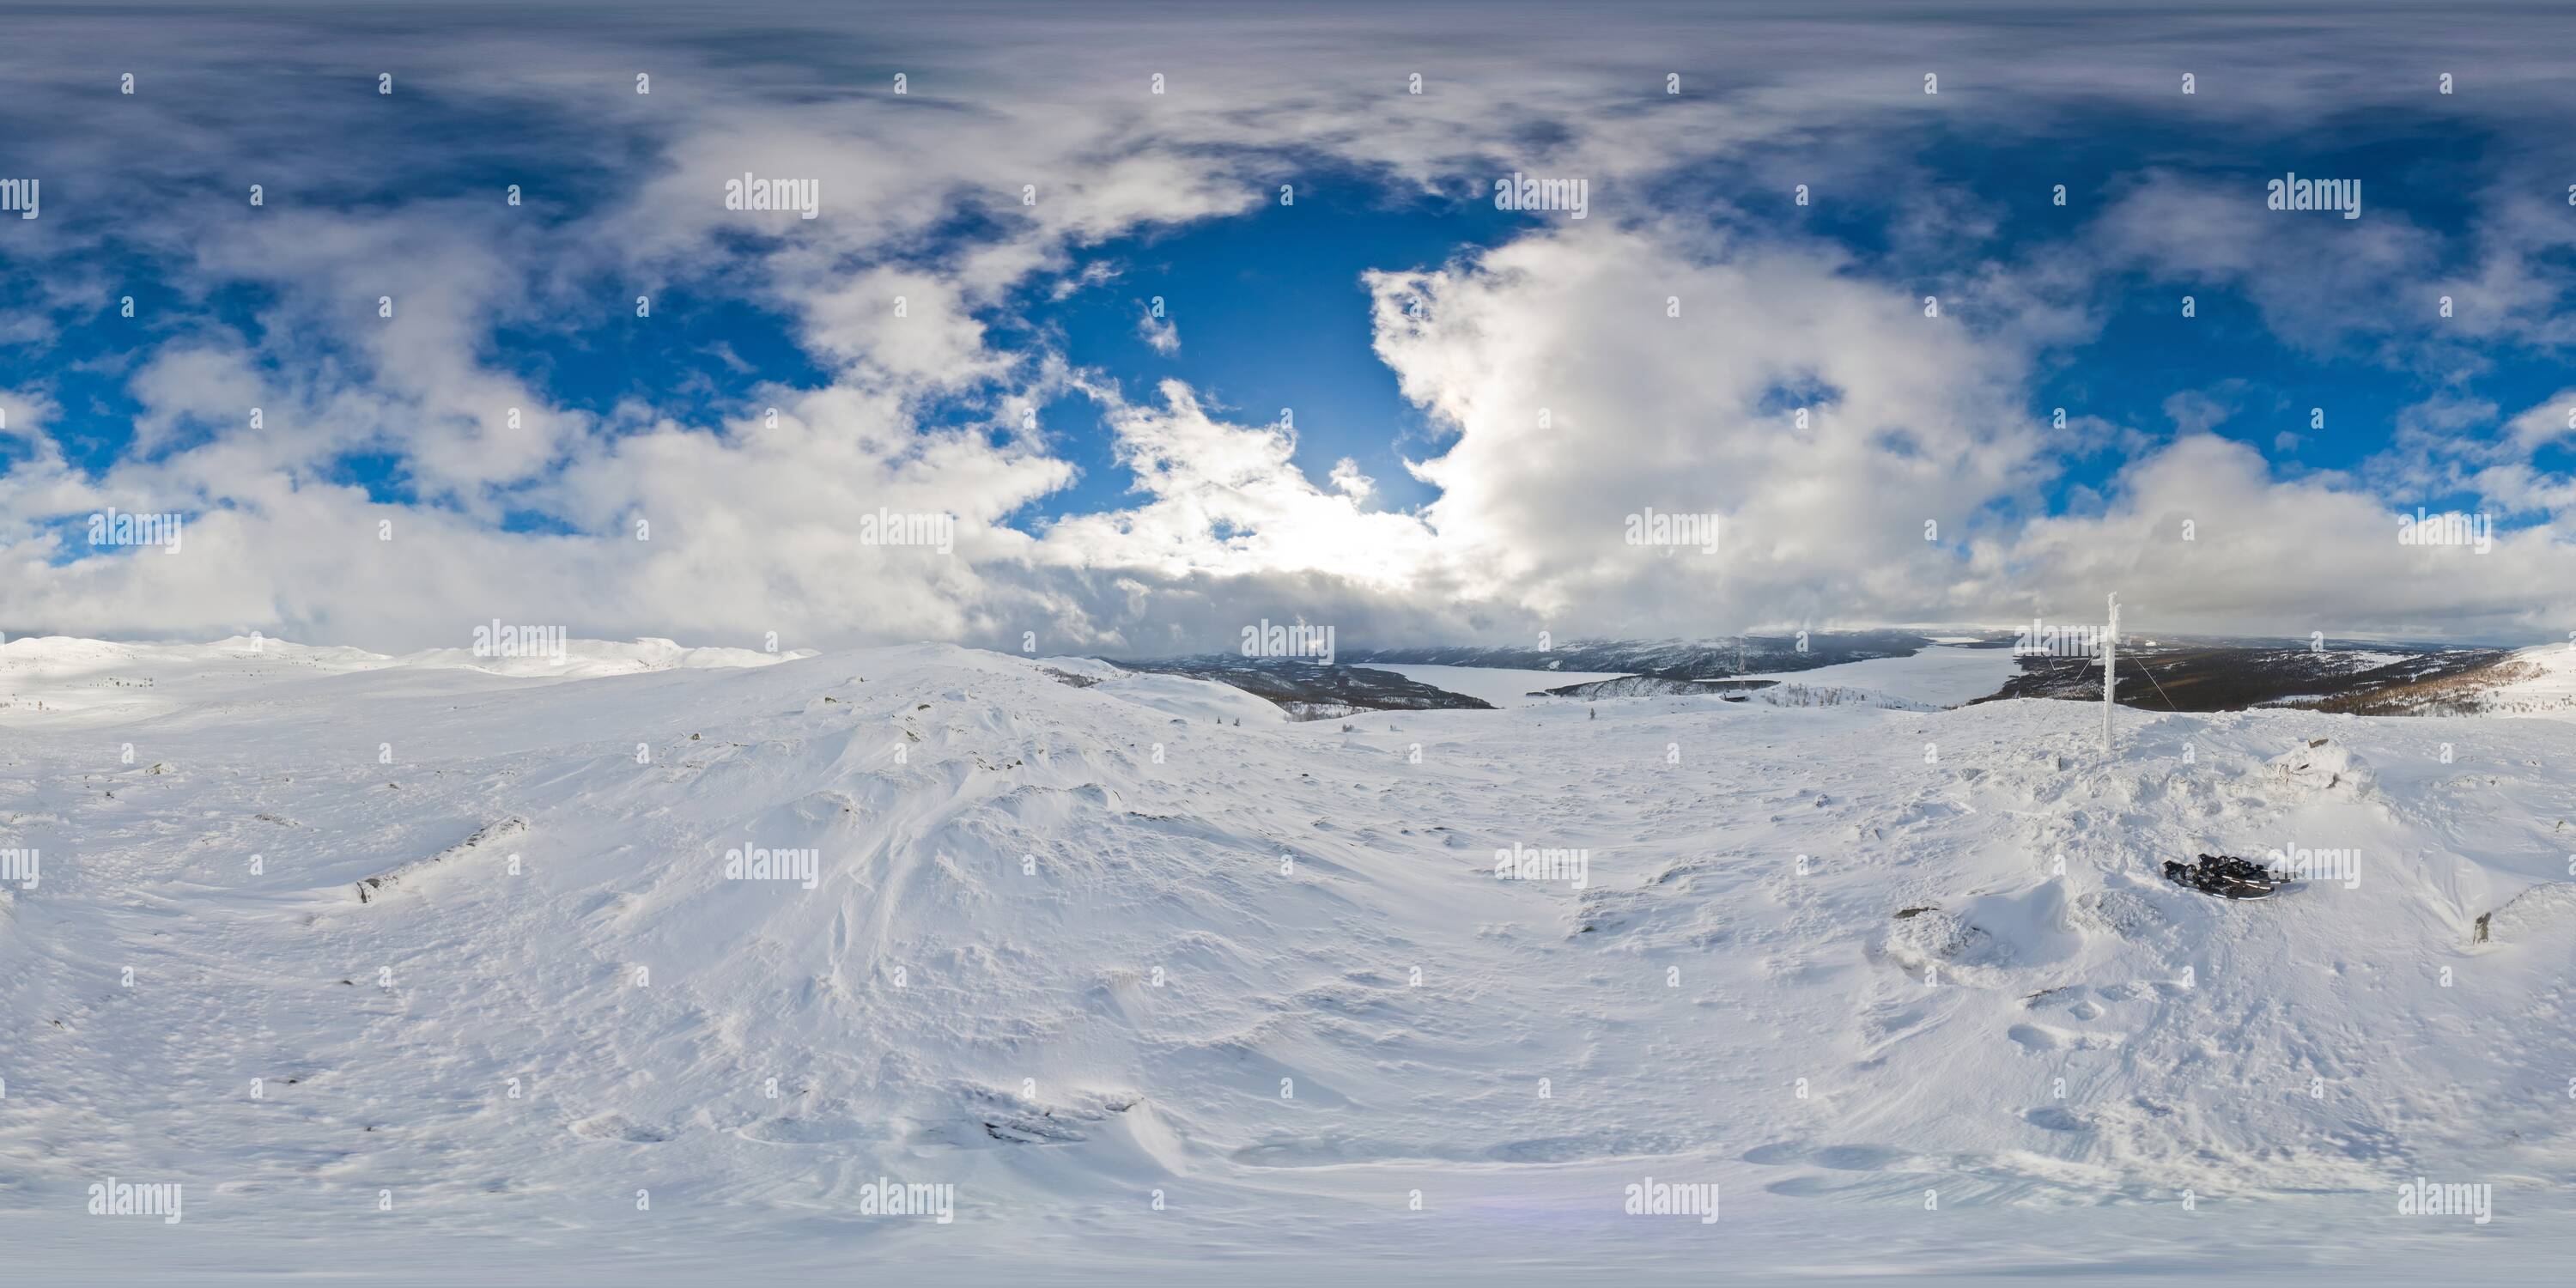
x: 1500, y: 686
x: 1167, y: 999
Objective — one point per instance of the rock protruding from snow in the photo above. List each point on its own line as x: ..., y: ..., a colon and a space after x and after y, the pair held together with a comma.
x: 378, y: 886
x: 2545, y: 908
x: 1922, y: 937
x: 2322, y: 765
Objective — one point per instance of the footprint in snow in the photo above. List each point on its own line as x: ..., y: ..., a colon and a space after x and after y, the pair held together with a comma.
x: 2042, y: 1037
x: 2052, y: 1118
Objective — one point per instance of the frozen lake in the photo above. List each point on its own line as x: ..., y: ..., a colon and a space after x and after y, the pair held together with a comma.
x: 1503, y: 688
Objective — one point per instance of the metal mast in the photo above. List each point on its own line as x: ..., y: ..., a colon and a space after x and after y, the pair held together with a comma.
x: 2110, y: 660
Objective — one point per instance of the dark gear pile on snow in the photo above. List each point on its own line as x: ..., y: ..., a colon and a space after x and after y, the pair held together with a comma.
x: 2225, y: 877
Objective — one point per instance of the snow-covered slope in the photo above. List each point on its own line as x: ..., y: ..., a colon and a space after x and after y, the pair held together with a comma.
x: 1149, y: 989
x: 2542, y: 682
x: 55, y: 679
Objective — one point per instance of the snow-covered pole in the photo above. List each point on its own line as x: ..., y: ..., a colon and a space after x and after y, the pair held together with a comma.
x: 2110, y: 660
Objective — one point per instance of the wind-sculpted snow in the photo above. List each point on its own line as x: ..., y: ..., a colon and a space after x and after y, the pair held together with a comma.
x: 762, y: 942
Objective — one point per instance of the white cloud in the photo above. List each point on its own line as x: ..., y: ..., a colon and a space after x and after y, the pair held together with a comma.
x: 1911, y: 419
x: 1579, y: 400
x: 1347, y: 480
x: 1161, y: 334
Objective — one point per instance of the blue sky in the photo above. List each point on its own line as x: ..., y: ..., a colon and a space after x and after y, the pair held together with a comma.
x: 1482, y: 398
x: 1275, y: 316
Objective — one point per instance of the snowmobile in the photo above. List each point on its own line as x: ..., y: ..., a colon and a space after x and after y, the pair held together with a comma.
x: 2224, y: 876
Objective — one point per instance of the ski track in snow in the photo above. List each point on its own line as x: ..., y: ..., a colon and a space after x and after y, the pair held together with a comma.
x: 971, y: 995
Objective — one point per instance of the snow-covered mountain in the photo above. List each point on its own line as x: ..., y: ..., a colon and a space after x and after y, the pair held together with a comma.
x: 669, y: 972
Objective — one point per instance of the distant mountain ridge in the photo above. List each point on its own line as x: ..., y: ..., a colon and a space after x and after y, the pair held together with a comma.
x: 2190, y: 676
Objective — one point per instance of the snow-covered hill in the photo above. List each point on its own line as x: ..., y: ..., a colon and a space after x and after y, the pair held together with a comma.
x: 85, y: 681
x: 1148, y: 987
x: 2536, y: 681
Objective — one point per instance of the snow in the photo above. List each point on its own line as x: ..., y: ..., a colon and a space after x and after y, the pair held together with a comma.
x: 1052, y: 959
x: 60, y: 680
x: 1501, y: 686
x: 1194, y: 700
x: 590, y: 658
x: 1940, y: 675
x: 2547, y: 683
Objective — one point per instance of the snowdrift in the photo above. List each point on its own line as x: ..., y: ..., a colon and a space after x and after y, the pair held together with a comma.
x: 1065, y: 937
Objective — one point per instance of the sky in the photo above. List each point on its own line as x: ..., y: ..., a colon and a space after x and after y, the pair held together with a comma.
x: 1118, y: 328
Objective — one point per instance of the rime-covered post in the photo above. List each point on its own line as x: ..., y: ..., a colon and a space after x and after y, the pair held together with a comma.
x: 2110, y: 657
